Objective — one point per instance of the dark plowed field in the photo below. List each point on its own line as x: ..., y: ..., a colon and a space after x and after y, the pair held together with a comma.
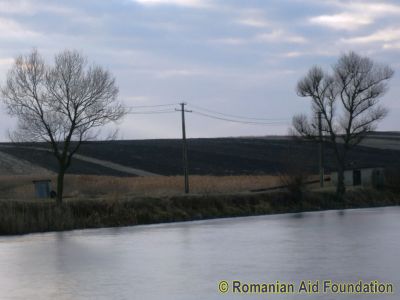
x: 221, y: 156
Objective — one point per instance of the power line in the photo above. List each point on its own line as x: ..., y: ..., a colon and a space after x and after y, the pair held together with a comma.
x: 239, y: 121
x: 212, y: 114
x: 151, y: 106
x: 235, y: 116
x: 151, y: 112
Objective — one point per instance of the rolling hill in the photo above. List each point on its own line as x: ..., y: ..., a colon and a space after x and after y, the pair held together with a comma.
x: 215, y: 156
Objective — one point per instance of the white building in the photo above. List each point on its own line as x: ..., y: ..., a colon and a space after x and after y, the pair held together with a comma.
x: 361, y: 177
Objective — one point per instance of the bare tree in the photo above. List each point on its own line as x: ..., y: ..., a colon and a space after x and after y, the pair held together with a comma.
x: 349, y: 102
x: 60, y: 104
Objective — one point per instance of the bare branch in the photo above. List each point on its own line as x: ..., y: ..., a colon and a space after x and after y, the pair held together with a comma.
x: 60, y: 103
x: 348, y: 100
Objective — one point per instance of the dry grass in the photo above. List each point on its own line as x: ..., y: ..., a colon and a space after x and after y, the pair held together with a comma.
x: 85, y: 186
x: 18, y: 217
x: 100, y: 201
x: 17, y: 186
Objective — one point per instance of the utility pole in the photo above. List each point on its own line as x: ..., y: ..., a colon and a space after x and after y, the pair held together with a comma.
x: 184, y: 147
x: 320, y: 152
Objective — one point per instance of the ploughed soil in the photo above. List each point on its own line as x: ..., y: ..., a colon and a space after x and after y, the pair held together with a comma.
x: 210, y: 156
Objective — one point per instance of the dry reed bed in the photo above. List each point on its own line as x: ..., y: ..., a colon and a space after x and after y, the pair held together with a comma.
x: 88, y: 186
x: 18, y: 217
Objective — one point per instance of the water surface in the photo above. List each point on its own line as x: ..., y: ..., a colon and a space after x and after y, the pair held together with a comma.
x: 186, y: 260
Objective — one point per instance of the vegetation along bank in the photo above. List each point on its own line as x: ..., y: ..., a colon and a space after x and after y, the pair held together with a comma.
x: 26, y: 216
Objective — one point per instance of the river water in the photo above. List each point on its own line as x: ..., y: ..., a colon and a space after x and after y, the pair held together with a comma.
x: 187, y: 260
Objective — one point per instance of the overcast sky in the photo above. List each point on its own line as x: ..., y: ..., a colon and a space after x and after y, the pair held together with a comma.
x: 237, y: 57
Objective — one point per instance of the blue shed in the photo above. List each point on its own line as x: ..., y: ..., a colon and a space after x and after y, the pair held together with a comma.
x: 42, y: 188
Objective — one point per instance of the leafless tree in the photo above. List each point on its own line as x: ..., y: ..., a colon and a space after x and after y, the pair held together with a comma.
x: 60, y: 104
x: 349, y: 102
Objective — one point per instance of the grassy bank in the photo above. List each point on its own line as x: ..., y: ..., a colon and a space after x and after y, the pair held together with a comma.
x: 17, y: 217
x: 89, y: 186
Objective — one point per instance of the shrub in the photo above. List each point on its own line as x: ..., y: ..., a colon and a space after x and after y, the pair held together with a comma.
x: 295, y: 183
x: 392, y: 180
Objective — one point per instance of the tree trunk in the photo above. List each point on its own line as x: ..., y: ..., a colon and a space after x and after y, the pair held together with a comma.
x: 60, y: 184
x: 340, y: 188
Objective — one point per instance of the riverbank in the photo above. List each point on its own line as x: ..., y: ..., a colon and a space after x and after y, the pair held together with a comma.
x: 19, y: 217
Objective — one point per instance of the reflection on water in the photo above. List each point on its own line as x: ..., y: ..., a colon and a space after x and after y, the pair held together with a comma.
x: 186, y: 260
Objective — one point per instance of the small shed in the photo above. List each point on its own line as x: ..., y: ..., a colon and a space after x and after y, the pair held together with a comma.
x: 42, y: 188
x: 362, y: 177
